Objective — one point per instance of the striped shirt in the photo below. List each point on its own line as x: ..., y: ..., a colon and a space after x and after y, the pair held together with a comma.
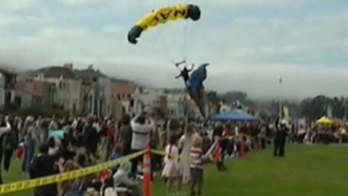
x: 196, y: 156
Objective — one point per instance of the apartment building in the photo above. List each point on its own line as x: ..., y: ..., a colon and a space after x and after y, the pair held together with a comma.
x: 95, y: 94
x: 128, y: 95
x: 152, y: 97
x: 68, y: 87
x: 176, y: 105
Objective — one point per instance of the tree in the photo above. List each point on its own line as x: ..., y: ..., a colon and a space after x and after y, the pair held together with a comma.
x: 320, y: 105
x: 213, y: 97
x: 233, y: 96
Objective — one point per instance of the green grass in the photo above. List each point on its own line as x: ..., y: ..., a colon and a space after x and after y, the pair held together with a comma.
x: 306, y: 171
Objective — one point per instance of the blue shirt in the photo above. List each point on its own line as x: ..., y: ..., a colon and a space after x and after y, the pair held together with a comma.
x: 113, y: 157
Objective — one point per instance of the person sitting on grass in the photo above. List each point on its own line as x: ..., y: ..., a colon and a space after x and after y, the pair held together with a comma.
x: 116, y: 154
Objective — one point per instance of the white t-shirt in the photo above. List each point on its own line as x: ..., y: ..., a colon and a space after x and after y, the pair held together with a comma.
x: 110, y: 192
x: 141, y: 134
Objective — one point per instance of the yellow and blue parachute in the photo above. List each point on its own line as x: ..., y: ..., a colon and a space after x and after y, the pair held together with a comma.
x: 161, y: 16
x: 195, y: 87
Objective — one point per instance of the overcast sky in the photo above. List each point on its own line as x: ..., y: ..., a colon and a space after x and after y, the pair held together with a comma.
x: 250, y: 44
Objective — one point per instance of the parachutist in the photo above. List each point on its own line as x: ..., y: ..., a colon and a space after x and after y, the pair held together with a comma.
x: 185, y: 73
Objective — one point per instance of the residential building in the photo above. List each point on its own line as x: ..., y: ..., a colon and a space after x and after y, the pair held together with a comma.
x: 128, y: 94
x: 29, y: 92
x: 2, y: 91
x: 151, y: 97
x: 7, y: 86
x: 116, y: 108
x: 176, y: 105
x: 68, y: 87
x: 95, y: 94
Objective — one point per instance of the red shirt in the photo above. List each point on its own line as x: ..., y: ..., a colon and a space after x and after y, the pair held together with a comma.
x: 110, y: 133
x: 226, y: 133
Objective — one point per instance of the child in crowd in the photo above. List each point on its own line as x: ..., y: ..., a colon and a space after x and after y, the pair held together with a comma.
x: 171, y: 171
x: 197, y: 158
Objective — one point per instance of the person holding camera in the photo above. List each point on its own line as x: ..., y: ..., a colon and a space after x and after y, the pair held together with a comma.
x: 142, y: 126
x: 280, y: 138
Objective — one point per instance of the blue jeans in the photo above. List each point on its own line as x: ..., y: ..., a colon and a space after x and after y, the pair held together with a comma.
x: 230, y: 147
x: 29, y: 150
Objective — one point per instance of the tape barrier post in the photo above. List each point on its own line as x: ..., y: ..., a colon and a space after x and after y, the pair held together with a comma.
x: 147, y: 171
x: 242, y: 147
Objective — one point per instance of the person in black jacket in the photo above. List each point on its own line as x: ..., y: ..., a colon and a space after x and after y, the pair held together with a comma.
x: 91, y: 137
x: 41, y: 166
x: 280, y: 139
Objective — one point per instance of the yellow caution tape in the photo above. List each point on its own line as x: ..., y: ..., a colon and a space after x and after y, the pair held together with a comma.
x: 162, y: 153
x: 29, y: 184
x: 159, y: 152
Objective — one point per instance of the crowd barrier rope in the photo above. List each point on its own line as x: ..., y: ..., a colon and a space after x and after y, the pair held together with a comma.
x: 146, y: 153
x: 33, y: 183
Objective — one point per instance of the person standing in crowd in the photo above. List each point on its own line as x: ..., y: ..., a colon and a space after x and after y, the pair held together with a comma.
x: 173, y: 130
x: 3, y: 130
x: 9, y: 142
x: 280, y: 139
x: 91, y: 137
x: 171, y: 172
x: 125, y: 134
x: 30, y: 141
x: 142, y: 126
x: 196, y: 157
x: 185, y: 144
x: 110, y: 137
x: 44, y: 165
x: 53, y: 125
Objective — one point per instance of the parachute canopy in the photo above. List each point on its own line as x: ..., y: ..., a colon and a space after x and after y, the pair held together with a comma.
x: 161, y: 16
x: 195, y: 86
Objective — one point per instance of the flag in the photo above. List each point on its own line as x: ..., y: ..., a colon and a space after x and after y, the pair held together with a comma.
x: 286, y: 113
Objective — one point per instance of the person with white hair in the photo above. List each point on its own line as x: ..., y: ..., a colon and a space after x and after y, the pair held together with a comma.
x: 30, y: 141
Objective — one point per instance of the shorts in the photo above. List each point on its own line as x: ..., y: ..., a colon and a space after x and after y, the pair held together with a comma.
x: 197, y: 175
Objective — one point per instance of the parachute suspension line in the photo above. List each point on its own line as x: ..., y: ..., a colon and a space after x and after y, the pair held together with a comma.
x: 167, y: 47
x: 177, y: 41
x: 148, y: 46
x: 186, y: 40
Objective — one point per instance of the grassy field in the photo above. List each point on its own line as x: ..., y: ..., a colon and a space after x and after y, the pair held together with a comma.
x: 306, y: 171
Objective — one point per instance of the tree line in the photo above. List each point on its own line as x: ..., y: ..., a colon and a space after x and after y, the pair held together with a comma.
x: 311, y: 107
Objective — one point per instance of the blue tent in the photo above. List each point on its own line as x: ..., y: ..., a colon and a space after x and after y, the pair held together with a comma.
x: 234, y: 115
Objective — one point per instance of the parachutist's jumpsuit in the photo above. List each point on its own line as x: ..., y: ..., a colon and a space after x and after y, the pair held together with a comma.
x: 185, y: 74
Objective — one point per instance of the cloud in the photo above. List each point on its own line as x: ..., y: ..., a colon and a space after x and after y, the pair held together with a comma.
x: 250, y: 44
x: 14, y: 5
